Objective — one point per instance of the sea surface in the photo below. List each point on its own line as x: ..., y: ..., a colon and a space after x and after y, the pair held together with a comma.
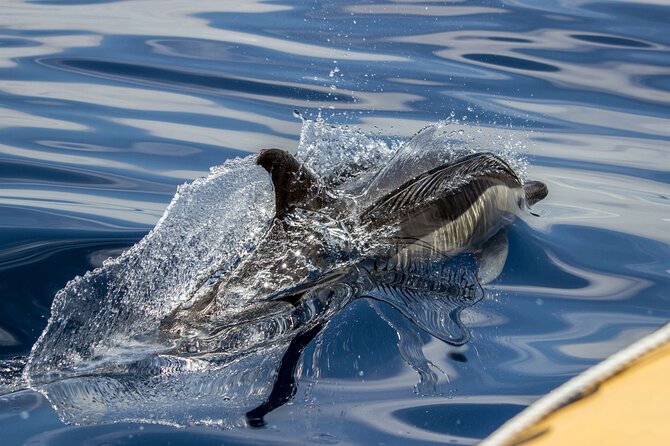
x: 106, y: 107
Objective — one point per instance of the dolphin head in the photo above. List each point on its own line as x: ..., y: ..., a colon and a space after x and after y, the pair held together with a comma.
x: 535, y: 191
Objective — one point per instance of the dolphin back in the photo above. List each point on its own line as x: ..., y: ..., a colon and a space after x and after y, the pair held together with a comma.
x: 442, y: 181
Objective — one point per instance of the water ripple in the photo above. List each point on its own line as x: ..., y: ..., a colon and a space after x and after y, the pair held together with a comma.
x: 153, y: 75
x: 510, y: 62
x: 107, y: 106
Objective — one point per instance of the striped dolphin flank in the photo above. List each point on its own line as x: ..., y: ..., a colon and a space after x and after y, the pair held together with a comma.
x: 455, y: 206
x: 421, y: 191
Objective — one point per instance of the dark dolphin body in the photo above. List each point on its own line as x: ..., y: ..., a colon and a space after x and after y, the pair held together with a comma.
x: 456, y: 207
x: 449, y: 209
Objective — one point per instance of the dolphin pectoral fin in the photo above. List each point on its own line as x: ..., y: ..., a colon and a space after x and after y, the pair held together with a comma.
x: 334, y: 288
x: 492, y: 257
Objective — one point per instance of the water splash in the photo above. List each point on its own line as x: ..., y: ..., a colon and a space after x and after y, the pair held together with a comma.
x: 339, y: 154
x: 125, y: 338
x: 203, y: 229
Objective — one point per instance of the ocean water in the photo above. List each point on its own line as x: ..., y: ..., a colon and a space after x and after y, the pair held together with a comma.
x: 107, y: 107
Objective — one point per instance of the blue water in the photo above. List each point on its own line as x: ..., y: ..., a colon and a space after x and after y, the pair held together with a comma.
x: 106, y: 107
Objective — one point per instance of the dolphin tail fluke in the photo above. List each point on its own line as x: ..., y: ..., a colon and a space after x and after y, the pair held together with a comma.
x: 535, y: 191
x: 285, y: 387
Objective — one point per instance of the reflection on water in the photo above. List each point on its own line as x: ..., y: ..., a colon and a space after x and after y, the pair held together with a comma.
x: 107, y: 106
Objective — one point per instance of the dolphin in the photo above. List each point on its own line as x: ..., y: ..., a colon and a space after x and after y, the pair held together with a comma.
x: 453, y: 207
x: 321, y: 235
x: 457, y: 206
x: 389, y: 236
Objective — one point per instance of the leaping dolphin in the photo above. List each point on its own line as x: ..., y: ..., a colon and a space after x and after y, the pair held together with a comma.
x: 453, y: 207
x: 387, y: 236
x: 316, y: 231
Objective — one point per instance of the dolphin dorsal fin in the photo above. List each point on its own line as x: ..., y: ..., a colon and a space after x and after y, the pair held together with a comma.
x: 293, y: 182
